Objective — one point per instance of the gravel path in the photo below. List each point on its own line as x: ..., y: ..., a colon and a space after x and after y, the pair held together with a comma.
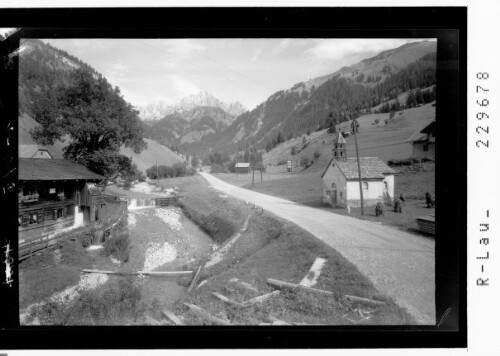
x: 399, y: 264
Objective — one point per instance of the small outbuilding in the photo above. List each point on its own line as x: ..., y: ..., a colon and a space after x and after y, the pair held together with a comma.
x: 242, y: 167
x: 341, y: 179
x: 423, y: 141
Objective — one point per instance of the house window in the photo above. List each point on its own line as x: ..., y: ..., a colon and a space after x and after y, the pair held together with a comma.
x: 341, y: 197
x: 59, y: 213
x: 426, y: 148
x: 33, y: 218
x: 365, y: 185
x: 26, y: 220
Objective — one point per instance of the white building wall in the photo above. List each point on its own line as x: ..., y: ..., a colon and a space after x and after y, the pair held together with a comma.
x: 371, y: 196
x: 390, y: 184
x: 418, y: 150
x: 333, y: 175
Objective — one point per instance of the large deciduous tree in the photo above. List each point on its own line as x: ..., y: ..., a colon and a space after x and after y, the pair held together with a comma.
x: 95, y: 120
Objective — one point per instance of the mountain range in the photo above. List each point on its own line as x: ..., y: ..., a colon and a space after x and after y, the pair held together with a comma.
x: 202, y: 123
x: 160, y: 109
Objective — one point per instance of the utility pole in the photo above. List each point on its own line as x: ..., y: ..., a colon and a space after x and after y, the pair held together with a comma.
x: 253, y: 168
x: 355, y: 129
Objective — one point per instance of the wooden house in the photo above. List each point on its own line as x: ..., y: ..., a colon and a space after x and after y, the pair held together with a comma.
x: 242, y: 167
x: 341, y: 179
x: 52, y: 196
x: 423, y: 141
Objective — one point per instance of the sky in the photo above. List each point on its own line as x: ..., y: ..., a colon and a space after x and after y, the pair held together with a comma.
x: 244, y: 70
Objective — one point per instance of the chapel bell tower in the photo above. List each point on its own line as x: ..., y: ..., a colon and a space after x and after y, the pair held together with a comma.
x: 339, y: 148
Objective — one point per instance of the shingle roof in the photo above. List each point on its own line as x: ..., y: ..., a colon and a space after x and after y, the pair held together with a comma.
x: 422, y: 133
x: 242, y: 165
x: 28, y: 151
x: 371, y: 167
x: 339, y: 138
x: 54, y: 169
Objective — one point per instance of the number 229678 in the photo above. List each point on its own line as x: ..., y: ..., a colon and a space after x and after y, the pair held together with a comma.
x: 482, y: 91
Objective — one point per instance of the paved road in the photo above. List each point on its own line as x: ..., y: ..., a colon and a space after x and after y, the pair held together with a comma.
x: 399, y: 264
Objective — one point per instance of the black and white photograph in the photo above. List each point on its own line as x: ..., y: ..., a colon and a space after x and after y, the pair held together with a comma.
x: 254, y: 179
x: 227, y: 181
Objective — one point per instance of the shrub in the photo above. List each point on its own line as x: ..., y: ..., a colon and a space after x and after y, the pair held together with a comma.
x: 110, y: 304
x: 317, y: 154
x: 282, y: 162
x: 304, y: 161
x: 118, y: 246
x: 377, y: 121
x: 85, y: 238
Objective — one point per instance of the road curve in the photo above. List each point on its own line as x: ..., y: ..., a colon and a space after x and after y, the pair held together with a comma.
x: 399, y: 264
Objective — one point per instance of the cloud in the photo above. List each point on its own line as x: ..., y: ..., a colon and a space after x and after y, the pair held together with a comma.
x: 182, y: 85
x: 256, y: 53
x: 176, y: 51
x: 336, y: 49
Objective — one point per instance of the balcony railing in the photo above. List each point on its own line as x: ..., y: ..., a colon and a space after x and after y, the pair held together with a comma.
x: 28, y: 198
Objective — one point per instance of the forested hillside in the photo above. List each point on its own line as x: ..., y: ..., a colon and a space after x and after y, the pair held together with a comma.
x: 75, y: 104
x: 305, y: 108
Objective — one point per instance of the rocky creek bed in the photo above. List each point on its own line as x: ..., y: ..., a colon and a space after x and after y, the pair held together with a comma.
x: 161, y: 239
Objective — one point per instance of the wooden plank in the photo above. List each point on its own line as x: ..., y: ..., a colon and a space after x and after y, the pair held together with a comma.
x: 228, y: 301
x: 244, y: 285
x: 205, y: 315
x: 312, y: 276
x: 364, y: 300
x: 194, y: 280
x: 174, y: 318
x: 262, y: 298
x: 294, y: 286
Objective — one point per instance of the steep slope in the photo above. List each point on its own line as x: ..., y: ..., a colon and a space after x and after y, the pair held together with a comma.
x: 377, y: 68
x: 189, y: 126
x: 337, y: 97
x: 386, y: 141
x: 144, y: 160
x: 154, y: 153
x: 43, y: 69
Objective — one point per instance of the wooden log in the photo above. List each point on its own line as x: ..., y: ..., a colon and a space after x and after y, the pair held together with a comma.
x: 150, y: 273
x: 364, y: 300
x: 261, y: 298
x: 174, y: 318
x: 228, y: 301
x: 244, y: 285
x: 205, y: 315
x: 194, y: 280
x: 294, y: 286
x: 166, y: 274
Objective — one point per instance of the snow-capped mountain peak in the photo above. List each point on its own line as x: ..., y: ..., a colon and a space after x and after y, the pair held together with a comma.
x: 158, y: 110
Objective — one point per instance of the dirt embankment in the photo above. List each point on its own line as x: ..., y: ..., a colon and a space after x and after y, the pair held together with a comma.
x: 256, y: 245
x: 238, y: 229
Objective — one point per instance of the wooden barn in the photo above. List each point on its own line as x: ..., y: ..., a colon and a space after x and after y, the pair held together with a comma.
x: 50, y: 193
x: 242, y: 167
x: 423, y: 141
